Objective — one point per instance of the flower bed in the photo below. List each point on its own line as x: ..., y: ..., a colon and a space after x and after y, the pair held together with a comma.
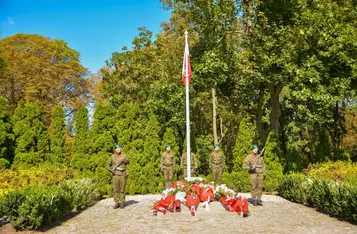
x: 195, y: 191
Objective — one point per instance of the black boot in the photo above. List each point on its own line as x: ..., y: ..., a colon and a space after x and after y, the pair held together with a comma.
x: 122, y: 205
x: 255, y: 202
x: 117, y: 205
x: 259, y: 203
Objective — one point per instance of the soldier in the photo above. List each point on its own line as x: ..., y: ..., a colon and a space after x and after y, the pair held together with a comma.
x: 257, y: 174
x: 184, y: 164
x: 168, y: 165
x: 117, y: 164
x: 216, y: 164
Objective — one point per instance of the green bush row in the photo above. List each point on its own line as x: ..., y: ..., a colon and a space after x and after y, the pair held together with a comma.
x: 36, y: 206
x: 336, y: 198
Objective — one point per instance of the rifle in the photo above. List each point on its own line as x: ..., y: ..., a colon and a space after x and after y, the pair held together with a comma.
x: 252, y: 169
x: 115, y: 167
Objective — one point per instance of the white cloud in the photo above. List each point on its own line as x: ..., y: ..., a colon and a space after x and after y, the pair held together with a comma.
x: 10, y: 21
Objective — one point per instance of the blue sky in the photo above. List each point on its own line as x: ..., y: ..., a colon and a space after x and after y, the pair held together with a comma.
x: 95, y: 28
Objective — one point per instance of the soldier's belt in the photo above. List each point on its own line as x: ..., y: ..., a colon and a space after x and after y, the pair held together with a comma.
x: 168, y: 165
x: 258, y: 166
x: 120, y: 169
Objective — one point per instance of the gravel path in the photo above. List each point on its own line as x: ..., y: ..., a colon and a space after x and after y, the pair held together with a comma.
x: 276, y: 216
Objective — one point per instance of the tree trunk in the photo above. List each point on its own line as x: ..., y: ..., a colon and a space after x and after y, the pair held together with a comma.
x: 214, y: 104
x: 262, y: 135
x: 275, y: 106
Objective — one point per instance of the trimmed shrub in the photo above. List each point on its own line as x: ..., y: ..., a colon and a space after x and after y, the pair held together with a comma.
x: 338, y: 199
x: 39, y: 205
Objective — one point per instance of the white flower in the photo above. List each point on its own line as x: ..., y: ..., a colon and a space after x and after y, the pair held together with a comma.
x: 180, y: 196
x: 167, y: 191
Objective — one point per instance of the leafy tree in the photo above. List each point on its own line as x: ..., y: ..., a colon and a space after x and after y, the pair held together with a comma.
x: 30, y: 133
x: 6, y: 136
x: 42, y: 70
x: 57, y: 137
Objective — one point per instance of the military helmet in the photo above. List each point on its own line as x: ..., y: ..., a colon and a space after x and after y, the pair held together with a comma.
x: 215, y: 146
x: 254, y: 146
x: 118, y: 146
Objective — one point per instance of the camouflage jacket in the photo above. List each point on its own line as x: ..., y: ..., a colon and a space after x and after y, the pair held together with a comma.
x: 167, y: 160
x: 216, y: 160
x: 115, y: 159
x: 251, y: 159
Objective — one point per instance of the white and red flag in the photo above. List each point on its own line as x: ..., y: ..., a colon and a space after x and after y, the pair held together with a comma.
x: 186, y: 66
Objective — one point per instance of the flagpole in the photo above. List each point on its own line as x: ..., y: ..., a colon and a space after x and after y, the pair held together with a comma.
x: 187, y: 112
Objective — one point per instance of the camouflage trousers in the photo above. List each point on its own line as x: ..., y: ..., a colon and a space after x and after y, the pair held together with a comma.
x: 256, y: 181
x: 168, y: 175
x: 217, y: 174
x: 119, y: 182
x: 192, y: 172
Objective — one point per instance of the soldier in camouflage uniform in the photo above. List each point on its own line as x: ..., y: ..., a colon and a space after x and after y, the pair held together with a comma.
x: 216, y: 164
x: 117, y: 164
x: 184, y: 164
x: 168, y: 165
x: 256, y: 176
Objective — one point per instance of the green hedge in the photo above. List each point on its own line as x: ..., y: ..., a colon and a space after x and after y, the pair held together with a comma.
x: 336, y: 198
x: 36, y: 206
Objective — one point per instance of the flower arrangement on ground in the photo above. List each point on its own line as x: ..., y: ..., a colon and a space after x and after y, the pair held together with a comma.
x: 194, y: 191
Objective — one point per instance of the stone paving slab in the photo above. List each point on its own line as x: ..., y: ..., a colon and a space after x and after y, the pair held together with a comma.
x: 276, y: 216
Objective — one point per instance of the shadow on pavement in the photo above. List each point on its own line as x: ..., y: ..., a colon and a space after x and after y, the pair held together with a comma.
x: 130, y: 202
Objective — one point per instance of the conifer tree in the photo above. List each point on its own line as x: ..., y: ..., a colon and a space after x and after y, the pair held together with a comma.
x: 169, y: 138
x: 272, y: 157
x: 239, y: 178
x: 57, y: 137
x: 30, y: 133
x: 323, y: 147
x: 204, y: 149
x: 6, y: 136
x: 244, y: 141
x: 80, y: 156
x: 103, y: 133
x: 150, y: 160
x: 103, y: 130
x: 130, y: 130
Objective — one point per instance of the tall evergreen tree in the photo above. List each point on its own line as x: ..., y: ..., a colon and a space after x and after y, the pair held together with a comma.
x: 30, y: 133
x: 6, y: 136
x: 170, y: 138
x: 103, y: 131
x: 103, y: 138
x: 244, y: 141
x: 80, y: 157
x: 150, y: 160
x: 272, y: 159
x: 57, y: 137
x: 239, y: 178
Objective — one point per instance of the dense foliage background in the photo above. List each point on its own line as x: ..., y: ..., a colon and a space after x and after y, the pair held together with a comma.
x: 281, y: 73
